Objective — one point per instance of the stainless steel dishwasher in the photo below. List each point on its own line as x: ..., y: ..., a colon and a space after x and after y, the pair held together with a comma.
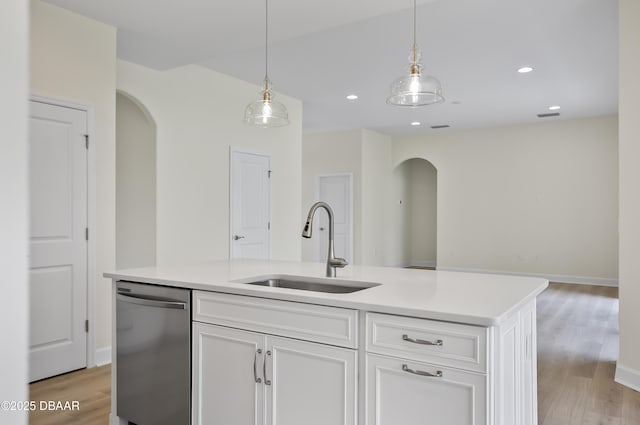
x: 153, y: 337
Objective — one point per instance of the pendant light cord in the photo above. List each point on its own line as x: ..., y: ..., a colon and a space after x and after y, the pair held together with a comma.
x: 414, y: 33
x: 266, y: 43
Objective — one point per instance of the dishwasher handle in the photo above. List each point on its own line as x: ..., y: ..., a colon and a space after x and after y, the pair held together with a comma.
x: 150, y: 302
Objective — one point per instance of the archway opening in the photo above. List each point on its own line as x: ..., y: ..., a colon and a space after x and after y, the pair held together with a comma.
x: 135, y: 184
x: 412, y: 237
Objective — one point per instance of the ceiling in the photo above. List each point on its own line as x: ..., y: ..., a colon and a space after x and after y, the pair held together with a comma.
x: 321, y: 51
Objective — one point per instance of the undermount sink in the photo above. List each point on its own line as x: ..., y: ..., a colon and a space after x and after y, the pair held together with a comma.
x: 309, y: 284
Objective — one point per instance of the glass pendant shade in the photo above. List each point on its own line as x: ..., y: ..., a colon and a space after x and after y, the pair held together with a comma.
x: 415, y: 89
x: 266, y: 112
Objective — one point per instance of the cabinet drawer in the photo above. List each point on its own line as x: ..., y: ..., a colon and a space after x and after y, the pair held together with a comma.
x: 329, y: 325
x: 443, y: 343
x: 403, y: 392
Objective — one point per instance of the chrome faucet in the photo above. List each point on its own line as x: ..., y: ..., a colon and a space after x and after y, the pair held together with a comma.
x: 332, y: 261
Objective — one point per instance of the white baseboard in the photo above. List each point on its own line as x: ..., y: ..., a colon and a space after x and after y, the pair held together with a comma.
x: 584, y: 280
x: 413, y: 264
x: 103, y: 356
x: 431, y: 263
x: 627, y: 377
x: 115, y: 420
x: 401, y: 265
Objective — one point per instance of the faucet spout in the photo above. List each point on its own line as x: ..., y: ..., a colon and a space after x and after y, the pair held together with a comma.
x: 307, y: 232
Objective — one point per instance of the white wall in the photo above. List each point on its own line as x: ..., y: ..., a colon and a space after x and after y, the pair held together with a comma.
x: 397, y: 225
x: 198, y: 114
x: 376, y: 169
x: 14, y: 213
x: 367, y: 155
x: 331, y: 153
x: 73, y: 58
x: 527, y: 199
x: 628, y: 368
x: 135, y: 185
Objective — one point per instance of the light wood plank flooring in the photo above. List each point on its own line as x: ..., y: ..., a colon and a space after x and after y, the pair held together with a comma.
x: 577, y: 349
x: 91, y: 387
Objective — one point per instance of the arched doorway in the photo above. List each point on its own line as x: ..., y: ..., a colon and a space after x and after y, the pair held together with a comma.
x: 412, y: 236
x: 135, y: 184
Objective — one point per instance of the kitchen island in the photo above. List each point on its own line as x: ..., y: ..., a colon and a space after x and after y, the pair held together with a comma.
x: 414, y: 346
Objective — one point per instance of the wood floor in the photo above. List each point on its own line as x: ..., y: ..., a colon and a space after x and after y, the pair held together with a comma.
x: 90, y: 387
x: 577, y: 349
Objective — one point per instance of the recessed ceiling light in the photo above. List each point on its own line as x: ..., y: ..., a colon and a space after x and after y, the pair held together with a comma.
x: 352, y: 97
x: 416, y: 123
x: 525, y: 69
x: 554, y: 108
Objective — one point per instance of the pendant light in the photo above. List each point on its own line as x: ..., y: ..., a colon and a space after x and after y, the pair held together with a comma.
x: 266, y: 112
x: 416, y: 88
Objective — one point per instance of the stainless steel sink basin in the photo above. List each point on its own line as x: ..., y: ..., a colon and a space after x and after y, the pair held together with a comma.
x: 309, y: 284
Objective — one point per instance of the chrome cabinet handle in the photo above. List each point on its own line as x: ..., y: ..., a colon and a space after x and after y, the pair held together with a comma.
x: 255, y: 371
x: 438, y: 373
x: 236, y: 237
x: 438, y: 342
x: 264, y: 369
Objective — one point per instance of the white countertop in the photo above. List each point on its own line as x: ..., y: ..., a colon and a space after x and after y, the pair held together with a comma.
x: 477, y: 299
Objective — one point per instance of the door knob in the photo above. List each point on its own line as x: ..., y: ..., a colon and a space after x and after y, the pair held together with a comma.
x: 236, y: 237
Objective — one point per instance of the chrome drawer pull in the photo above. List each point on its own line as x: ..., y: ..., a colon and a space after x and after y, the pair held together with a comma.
x: 438, y: 342
x: 267, y: 381
x: 438, y: 373
x: 255, y: 371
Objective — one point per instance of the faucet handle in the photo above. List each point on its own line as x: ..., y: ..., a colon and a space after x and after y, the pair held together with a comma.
x: 338, y: 262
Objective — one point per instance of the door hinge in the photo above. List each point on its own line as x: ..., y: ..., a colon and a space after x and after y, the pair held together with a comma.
x: 86, y: 326
x: 269, y: 173
x: 269, y: 225
x: 86, y: 141
x: 86, y: 233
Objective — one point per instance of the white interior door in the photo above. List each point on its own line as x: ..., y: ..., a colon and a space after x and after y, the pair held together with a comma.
x: 58, y: 245
x: 336, y: 191
x: 250, y: 206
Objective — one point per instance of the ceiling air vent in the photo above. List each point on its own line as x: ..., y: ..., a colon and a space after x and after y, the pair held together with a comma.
x: 550, y: 114
x: 441, y: 126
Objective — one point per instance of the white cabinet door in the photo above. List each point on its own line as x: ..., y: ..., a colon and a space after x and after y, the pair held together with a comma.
x: 404, y: 397
x: 311, y: 384
x: 226, y: 368
x: 237, y: 381
x: 529, y: 366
